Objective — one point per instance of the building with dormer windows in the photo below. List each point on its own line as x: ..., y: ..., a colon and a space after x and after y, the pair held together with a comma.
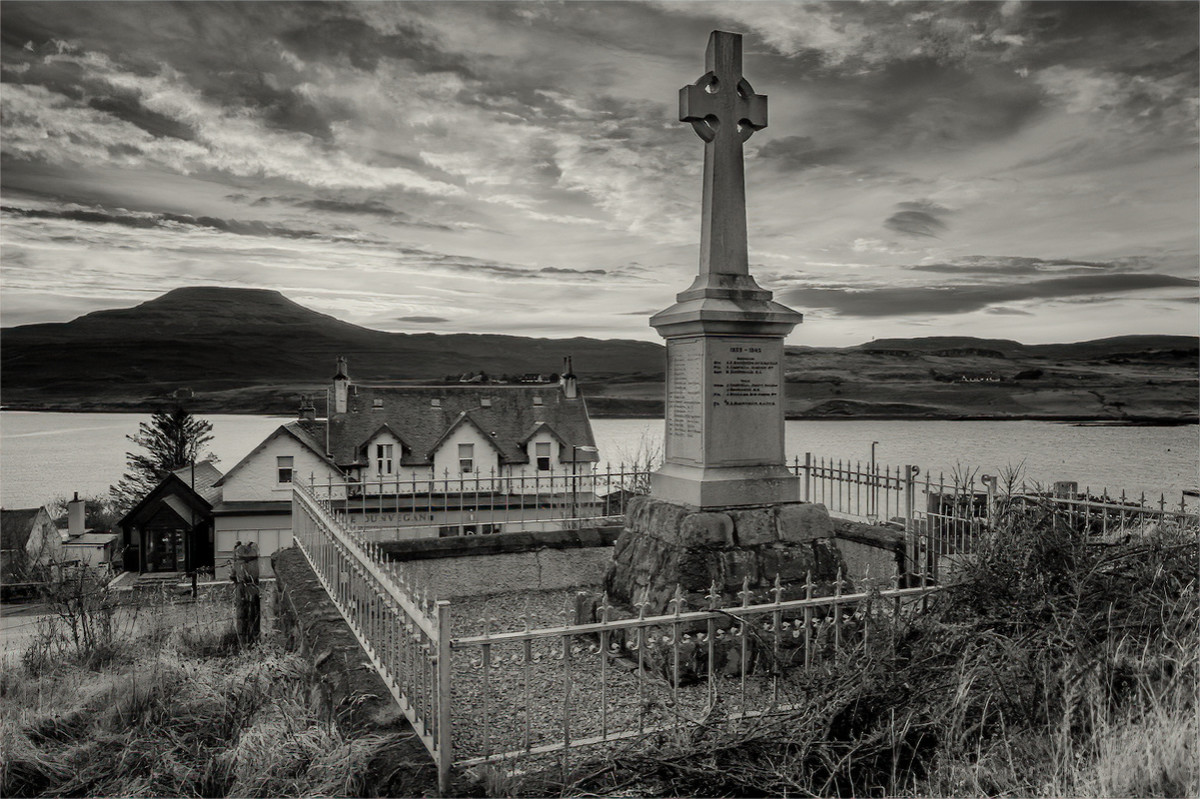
x: 419, y: 461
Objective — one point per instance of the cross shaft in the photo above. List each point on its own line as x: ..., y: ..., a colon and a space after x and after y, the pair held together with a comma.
x: 724, y: 111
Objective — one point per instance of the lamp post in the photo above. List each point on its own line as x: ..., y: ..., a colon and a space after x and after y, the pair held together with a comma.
x: 575, y: 450
x: 873, y: 494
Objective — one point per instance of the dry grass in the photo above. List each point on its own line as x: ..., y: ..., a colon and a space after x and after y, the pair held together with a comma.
x: 174, y: 711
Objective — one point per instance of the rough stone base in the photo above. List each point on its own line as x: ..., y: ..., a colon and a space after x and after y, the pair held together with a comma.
x: 665, y: 545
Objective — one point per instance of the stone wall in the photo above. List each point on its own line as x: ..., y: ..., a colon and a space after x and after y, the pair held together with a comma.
x: 348, y: 687
x: 874, y: 550
x: 465, y: 566
x: 665, y: 544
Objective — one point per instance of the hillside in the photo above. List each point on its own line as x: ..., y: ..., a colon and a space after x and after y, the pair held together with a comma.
x: 217, y: 340
x: 255, y: 351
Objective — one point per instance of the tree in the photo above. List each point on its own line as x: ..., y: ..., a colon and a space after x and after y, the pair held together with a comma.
x: 99, y: 512
x: 173, y: 439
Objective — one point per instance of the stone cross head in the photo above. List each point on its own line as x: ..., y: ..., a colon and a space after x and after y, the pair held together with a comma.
x: 722, y: 103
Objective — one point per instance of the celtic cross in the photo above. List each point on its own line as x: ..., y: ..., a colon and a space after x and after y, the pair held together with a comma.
x: 725, y: 112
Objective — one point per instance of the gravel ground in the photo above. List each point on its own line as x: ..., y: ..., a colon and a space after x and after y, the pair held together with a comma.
x: 514, y: 704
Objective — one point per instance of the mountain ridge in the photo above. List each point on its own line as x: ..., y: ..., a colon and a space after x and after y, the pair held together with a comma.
x: 255, y: 350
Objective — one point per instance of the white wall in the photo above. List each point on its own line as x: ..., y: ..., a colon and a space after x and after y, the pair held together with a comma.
x: 269, y: 533
x: 257, y: 479
x: 445, y: 459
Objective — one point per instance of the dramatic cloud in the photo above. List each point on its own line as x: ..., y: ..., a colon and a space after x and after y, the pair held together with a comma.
x: 520, y: 166
x: 905, y: 301
x: 917, y: 218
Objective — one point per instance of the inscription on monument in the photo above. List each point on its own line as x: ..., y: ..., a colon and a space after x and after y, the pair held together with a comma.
x: 685, y: 397
x: 745, y: 395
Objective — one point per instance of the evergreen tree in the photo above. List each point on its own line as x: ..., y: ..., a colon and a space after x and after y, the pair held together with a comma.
x: 172, y: 440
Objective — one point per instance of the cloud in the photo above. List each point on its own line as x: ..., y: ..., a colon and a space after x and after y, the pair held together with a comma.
x: 1010, y: 265
x: 428, y: 320
x: 559, y: 270
x: 145, y: 221
x: 923, y: 300
x: 1002, y: 310
x: 917, y: 218
x: 801, y: 152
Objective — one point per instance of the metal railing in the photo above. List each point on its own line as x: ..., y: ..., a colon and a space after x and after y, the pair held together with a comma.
x: 550, y: 691
x: 516, y: 692
x: 404, y: 632
x: 480, y: 503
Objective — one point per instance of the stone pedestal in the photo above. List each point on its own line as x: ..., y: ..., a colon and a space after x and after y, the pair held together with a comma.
x: 724, y: 443
x: 666, y: 544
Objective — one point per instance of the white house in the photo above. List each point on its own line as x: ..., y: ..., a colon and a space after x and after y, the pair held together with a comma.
x: 415, y: 461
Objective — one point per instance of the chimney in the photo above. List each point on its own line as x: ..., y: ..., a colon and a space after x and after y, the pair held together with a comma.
x: 567, y: 380
x: 307, y: 411
x: 341, y: 386
x: 75, y: 517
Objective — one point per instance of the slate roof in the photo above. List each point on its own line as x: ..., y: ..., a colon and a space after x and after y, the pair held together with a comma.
x: 409, y: 412
x: 207, y: 476
x: 15, y: 526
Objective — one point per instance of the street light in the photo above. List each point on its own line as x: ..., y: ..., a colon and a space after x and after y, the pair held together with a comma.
x: 873, y: 495
x: 575, y: 450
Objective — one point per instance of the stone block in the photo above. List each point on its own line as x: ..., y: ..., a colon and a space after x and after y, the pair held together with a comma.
x: 636, y: 512
x: 697, y: 568
x: 753, y: 527
x: 665, y: 519
x: 792, y: 564
x: 798, y: 524
x: 736, y: 566
x: 626, y: 538
x: 706, y: 530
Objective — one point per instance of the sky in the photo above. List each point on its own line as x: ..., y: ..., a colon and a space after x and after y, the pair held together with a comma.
x: 1023, y: 170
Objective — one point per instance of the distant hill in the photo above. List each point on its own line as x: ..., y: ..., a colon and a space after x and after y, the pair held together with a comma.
x: 208, y: 338
x: 250, y: 350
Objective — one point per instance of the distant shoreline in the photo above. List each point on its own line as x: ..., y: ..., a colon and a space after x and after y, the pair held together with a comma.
x: 1078, y: 419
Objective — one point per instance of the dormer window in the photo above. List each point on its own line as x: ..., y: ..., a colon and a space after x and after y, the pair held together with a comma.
x: 383, y: 458
x: 435, y: 402
x: 283, y: 468
x: 537, y: 399
x: 486, y: 402
x: 466, y: 458
x: 542, y: 452
x: 377, y: 404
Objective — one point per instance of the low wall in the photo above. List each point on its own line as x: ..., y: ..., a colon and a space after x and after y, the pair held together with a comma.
x: 868, y: 546
x: 465, y: 566
x: 348, y: 688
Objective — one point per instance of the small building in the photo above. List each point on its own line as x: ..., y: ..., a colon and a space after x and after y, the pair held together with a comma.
x: 91, y: 549
x: 29, y: 545
x: 171, y: 529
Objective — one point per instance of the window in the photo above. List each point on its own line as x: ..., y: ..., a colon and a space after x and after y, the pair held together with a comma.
x: 486, y: 402
x: 283, y: 465
x: 542, y: 450
x: 466, y: 458
x: 435, y: 402
x: 377, y: 404
x: 383, y: 458
x: 537, y: 399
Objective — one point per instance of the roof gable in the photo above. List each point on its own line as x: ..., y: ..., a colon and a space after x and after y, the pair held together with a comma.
x: 171, y: 485
x: 15, y: 526
x: 293, y: 430
x: 463, y: 419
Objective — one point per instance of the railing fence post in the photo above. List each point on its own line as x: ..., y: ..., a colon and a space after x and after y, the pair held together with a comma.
x: 445, y: 744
